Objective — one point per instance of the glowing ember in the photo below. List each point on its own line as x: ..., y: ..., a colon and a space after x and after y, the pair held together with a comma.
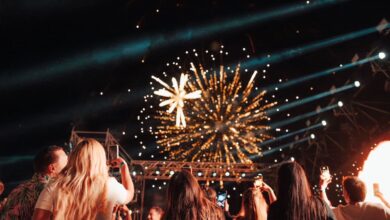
x: 375, y: 170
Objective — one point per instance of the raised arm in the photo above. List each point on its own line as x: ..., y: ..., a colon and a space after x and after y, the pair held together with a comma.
x: 324, y: 182
x: 272, y: 197
x: 127, y: 182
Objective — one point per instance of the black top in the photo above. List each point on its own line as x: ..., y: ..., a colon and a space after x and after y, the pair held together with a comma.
x: 276, y: 212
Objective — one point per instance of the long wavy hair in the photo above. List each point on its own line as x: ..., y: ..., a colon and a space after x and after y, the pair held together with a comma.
x: 82, y: 183
x: 295, y: 198
x: 187, y: 201
x: 253, y: 205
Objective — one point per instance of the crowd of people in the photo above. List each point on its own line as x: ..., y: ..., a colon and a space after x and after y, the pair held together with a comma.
x: 79, y: 186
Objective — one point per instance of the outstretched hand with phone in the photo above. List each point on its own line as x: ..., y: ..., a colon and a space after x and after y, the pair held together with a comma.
x: 325, y: 178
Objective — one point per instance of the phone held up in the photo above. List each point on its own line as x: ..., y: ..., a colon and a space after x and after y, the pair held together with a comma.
x: 258, y: 183
x: 325, y: 173
x: 113, y: 152
x: 376, y: 188
x: 221, y: 198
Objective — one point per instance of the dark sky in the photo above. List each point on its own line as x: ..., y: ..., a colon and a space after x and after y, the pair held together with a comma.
x: 41, y: 102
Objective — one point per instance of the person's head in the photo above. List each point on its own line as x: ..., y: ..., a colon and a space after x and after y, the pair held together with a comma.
x: 186, y: 199
x: 155, y: 213
x: 82, y: 183
x: 295, y: 196
x: 50, y: 160
x: 87, y: 159
x: 253, y: 205
x: 211, y: 195
x: 292, y: 182
x: 354, y: 189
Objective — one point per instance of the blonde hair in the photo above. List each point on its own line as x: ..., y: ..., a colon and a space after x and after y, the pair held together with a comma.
x: 82, y: 184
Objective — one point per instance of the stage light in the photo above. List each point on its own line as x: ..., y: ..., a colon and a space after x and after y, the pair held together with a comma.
x: 323, y: 122
x: 292, y: 159
x: 357, y: 83
x: 227, y: 173
x: 171, y: 172
x: 382, y: 55
x: 340, y: 103
x: 243, y: 175
x: 134, y: 173
x: 214, y: 174
x: 157, y: 172
x: 312, y: 136
x: 199, y: 173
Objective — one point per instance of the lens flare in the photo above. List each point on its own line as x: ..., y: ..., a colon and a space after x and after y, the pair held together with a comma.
x: 375, y: 171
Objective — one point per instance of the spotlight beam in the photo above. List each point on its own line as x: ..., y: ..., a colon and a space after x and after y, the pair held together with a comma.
x: 14, y: 159
x: 269, y: 141
x: 276, y: 149
x: 300, y: 117
x: 135, y: 48
x: 61, y: 115
x: 297, y: 51
x: 296, y: 81
x: 308, y: 99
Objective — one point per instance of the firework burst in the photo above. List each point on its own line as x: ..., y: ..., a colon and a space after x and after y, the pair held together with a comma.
x: 176, y: 97
x: 225, y: 124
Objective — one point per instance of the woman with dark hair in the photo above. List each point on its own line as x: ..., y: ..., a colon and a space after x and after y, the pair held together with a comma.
x: 295, y: 199
x: 253, y: 205
x: 187, y: 201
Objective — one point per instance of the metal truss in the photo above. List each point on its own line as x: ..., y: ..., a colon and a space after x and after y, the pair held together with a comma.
x: 204, y: 171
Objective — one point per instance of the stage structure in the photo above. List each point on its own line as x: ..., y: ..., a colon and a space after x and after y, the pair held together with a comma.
x: 144, y: 170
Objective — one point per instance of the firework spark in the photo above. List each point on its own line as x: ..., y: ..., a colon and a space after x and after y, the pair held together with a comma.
x: 225, y: 125
x: 176, y: 96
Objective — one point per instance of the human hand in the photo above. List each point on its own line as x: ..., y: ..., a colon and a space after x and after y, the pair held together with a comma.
x: 265, y: 187
x: 226, y: 206
x: 325, y: 180
x: 118, y: 162
x: 378, y: 194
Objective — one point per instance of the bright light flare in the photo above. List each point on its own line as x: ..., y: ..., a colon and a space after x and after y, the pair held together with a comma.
x: 382, y: 55
x: 357, y: 83
x: 375, y: 170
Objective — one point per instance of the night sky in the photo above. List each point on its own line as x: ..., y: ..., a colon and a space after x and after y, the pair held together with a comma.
x: 85, y: 65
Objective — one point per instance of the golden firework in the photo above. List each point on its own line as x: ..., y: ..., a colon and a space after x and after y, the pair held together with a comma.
x: 226, y: 124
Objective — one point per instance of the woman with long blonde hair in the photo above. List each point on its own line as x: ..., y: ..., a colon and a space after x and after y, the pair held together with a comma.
x: 84, y: 189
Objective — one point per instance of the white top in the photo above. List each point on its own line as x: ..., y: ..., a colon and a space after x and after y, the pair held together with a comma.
x: 116, y: 194
x: 362, y: 211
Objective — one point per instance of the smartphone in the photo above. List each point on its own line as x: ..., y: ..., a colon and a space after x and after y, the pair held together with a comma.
x: 221, y: 197
x: 325, y: 173
x: 376, y: 188
x: 113, y: 152
x: 258, y: 181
